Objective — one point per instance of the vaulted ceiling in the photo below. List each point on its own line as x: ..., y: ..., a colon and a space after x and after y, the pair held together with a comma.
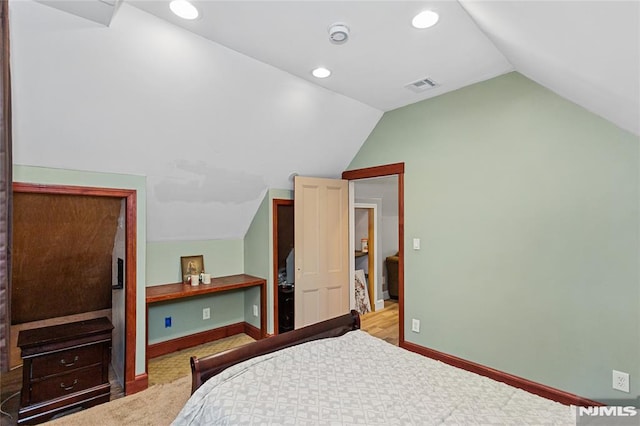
x: 216, y: 110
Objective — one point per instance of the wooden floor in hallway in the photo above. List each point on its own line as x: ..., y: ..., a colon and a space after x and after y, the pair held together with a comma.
x: 383, y: 323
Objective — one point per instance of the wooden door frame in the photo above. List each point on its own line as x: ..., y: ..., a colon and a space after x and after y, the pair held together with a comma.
x: 381, y: 171
x: 276, y: 202
x: 130, y: 196
x: 372, y: 260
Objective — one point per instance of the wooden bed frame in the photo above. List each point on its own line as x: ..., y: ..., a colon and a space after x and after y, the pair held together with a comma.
x: 204, y: 368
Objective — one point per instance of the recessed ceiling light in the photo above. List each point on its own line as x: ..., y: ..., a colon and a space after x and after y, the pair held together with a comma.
x: 425, y: 19
x: 184, y: 9
x: 321, y: 72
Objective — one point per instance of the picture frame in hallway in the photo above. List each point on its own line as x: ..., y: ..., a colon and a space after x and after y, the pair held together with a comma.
x: 191, y: 265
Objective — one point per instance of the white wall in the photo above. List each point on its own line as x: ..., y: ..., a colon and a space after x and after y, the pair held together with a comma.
x: 211, y: 129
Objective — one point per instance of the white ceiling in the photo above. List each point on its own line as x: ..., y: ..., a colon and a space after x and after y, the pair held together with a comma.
x: 587, y: 51
x: 216, y: 115
x: 383, y: 54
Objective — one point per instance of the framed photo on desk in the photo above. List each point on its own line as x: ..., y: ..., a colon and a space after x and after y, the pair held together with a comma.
x: 191, y: 265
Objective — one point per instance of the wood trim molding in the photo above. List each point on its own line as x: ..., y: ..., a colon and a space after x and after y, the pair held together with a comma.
x: 276, y: 202
x: 515, y: 381
x: 139, y: 383
x: 130, y: 196
x: 380, y: 171
x: 131, y: 286
x: 6, y: 164
x: 71, y: 190
x: 401, y: 255
x: 252, y: 331
x: 173, y: 345
x: 375, y: 171
x: 371, y: 258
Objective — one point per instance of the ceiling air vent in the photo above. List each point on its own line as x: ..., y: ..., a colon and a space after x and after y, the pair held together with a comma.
x: 422, y: 85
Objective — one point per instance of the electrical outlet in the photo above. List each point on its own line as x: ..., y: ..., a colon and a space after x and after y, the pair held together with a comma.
x: 255, y: 310
x: 167, y: 322
x: 415, y: 325
x: 206, y: 313
x: 621, y: 381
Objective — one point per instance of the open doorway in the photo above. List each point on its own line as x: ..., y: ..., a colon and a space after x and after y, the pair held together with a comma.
x: 376, y: 206
x: 374, y: 185
x: 391, y: 170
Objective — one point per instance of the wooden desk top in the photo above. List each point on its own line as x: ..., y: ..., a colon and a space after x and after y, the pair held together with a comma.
x: 159, y: 293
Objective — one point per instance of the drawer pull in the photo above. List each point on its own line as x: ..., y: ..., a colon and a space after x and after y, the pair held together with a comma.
x: 68, y: 388
x: 71, y: 364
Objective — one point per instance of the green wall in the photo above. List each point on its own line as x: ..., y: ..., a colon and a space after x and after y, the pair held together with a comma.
x: 221, y: 257
x: 258, y: 250
x: 527, y: 206
x: 50, y: 176
x: 186, y: 315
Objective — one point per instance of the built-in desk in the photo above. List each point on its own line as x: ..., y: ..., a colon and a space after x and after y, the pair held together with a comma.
x: 174, y: 291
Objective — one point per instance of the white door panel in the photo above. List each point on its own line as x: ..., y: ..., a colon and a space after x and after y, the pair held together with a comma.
x: 321, y: 249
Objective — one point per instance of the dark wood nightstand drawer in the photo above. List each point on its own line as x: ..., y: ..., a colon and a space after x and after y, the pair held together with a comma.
x: 66, y: 384
x: 65, y: 366
x: 63, y: 361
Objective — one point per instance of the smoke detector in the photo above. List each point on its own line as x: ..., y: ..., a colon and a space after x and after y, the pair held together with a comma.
x: 338, y: 33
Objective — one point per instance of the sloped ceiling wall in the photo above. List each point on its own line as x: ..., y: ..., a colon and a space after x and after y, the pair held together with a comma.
x: 585, y: 51
x: 210, y: 128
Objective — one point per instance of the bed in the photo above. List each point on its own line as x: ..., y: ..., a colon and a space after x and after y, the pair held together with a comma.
x: 334, y: 373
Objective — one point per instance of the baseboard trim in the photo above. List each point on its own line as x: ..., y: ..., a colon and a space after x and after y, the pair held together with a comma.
x: 515, y: 381
x: 173, y: 345
x: 252, y: 331
x: 139, y: 383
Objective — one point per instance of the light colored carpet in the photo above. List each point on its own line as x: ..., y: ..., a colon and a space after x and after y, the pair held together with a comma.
x: 161, y: 402
x: 156, y: 406
x: 169, y: 389
x: 170, y: 367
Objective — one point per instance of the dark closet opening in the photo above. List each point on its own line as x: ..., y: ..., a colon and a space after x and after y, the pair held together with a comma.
x: 62, y: 255
x: 80, y: 243
x: 283, y: 266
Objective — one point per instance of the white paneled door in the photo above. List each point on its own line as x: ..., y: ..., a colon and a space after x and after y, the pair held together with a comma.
x: 321, y: 213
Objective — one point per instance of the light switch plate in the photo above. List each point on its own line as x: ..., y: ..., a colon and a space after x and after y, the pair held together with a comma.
x: 416, y: 243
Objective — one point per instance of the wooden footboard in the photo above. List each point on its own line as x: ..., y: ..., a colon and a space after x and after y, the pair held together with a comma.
x: 204, y: 368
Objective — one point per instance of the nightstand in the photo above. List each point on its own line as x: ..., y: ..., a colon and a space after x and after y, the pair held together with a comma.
x: 65, y: 366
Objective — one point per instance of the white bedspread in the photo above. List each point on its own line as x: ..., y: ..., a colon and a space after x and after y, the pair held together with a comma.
x: 360, y: 379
